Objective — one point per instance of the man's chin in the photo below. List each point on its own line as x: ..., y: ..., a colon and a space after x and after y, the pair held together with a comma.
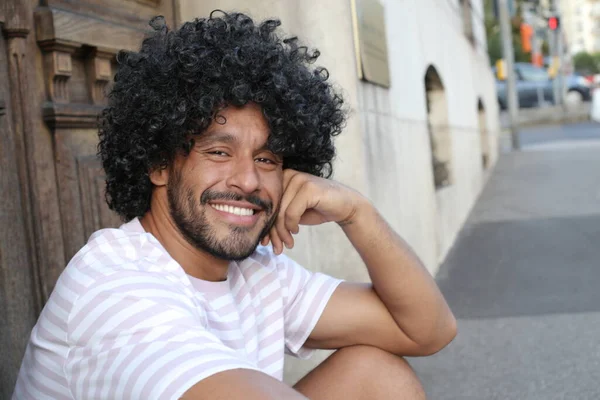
x: 230, y: 249
x: 229, y: 255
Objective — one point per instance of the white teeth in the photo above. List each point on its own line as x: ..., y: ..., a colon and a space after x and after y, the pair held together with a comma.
x: 233, y: 210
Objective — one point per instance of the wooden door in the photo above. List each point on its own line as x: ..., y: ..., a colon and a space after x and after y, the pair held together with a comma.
x: 57, y: 59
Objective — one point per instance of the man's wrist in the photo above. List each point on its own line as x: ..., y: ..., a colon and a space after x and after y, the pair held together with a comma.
x: 360, y: 213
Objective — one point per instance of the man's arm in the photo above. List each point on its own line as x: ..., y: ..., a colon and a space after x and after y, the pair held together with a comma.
x: 403, y: 311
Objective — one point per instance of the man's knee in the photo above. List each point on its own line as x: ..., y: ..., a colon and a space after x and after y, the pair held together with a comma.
x: 377, y: 371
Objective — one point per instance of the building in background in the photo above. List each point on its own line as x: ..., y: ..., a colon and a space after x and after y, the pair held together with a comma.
x: 580, y: 20
x: 420, y: 149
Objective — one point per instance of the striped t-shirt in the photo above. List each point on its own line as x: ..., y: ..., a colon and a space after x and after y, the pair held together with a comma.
x: 125, y: 321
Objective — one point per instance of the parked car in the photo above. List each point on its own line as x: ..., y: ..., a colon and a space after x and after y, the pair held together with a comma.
x: 535, y: 87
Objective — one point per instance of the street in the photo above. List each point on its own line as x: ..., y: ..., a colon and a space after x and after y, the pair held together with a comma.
x: 523, y: 277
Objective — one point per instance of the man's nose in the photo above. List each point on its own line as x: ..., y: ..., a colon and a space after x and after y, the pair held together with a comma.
x: 245, y: 176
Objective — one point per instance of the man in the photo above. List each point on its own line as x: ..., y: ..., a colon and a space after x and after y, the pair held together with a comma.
x: 215, y: 144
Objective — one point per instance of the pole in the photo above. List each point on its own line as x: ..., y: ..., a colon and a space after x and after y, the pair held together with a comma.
x: 530, y: 18
x: 509, y: 59
x: 557, y: 57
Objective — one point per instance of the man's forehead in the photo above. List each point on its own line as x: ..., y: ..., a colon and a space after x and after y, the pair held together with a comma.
x: 233, y: 124
x: 234, y: 137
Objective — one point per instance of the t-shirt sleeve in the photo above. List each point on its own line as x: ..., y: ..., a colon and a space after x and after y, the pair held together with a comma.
x: 137, y: 335
x: 305, y: 295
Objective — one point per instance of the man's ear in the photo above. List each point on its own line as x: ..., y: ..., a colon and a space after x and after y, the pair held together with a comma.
x: 159, y: 176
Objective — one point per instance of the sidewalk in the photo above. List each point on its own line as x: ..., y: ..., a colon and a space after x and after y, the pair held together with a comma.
x: 523, y: 279
x: 551, y: 115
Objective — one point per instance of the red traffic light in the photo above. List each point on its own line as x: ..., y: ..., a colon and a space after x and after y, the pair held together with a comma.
x: 553, y: 23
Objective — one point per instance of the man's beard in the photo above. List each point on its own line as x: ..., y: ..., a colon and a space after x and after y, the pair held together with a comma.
x: 237, y: 245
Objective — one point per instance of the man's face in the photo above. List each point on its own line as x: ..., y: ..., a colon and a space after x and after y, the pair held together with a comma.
x: 224, y: 196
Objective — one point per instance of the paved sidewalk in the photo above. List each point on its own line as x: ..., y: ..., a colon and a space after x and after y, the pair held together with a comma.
x: 523, y: 280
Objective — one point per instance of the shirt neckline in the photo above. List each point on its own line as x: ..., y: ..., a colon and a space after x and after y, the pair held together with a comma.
x: 217, y: 288
x: 201, y: 285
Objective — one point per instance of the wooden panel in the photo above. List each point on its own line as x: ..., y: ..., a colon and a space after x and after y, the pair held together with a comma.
x: 33, y: 149
x: 17, y: 300
x: 95, y: 212
x: 65, y: 26
x: 35, y: 167
x: 83, y: 208
x: 108, y: 28
x: 87, y: 33
x: 125, y: 12
x: 55, y: 64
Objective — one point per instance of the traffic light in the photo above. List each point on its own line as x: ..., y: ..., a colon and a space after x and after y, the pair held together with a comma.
x: 500, y: 70
x: 526, y: 34
x: 553, y: 23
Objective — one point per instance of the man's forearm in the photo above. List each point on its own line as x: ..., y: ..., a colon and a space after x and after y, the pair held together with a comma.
x: 401, y: 280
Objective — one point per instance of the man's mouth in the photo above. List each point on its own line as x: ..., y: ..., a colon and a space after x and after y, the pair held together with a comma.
x: 244, y: 212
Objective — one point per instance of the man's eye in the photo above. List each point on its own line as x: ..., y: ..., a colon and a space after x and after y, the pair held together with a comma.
x: 218, y: 153
x: 265, y: 160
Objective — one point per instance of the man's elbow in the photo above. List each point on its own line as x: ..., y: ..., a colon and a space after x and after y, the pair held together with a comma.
x: 441, y: 339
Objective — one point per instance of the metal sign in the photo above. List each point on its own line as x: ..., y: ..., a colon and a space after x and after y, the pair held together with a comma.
x: 370, y: 43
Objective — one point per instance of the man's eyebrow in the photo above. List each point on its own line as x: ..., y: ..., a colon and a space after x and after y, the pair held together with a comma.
x: 210, y: 137
x: 228, y: 138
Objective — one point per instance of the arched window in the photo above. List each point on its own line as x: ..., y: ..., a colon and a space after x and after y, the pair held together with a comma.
x: 483, y: 134
x: 439, y: 132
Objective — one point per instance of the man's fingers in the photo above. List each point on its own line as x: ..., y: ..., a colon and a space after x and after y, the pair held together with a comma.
x: 265, y: 240
x: 275, y: 241
x: 293, y: 214
x: 283, y: 234
x: 292, y: 193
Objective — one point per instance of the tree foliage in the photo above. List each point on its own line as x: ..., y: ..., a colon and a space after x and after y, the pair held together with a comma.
x: 587, y: 63
x: 494, y: 41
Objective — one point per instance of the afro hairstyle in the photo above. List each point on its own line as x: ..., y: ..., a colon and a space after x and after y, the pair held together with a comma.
x: 175, y: 85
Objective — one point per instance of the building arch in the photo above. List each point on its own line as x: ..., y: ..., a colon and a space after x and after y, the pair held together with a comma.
x: 483, y: 134
x: 439, y: 128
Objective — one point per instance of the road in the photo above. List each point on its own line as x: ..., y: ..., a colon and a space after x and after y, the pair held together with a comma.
x: 523, y: 278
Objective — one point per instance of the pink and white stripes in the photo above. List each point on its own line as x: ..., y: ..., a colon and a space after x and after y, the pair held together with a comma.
x: 126, y: 322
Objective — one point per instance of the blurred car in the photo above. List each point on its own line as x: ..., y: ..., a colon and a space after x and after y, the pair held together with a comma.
x: 535, y: 87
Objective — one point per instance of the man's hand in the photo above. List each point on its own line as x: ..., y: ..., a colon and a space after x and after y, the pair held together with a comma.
x: 403, y: 312
x: 310, y: 200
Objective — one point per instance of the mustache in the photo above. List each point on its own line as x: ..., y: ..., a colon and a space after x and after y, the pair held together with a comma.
x: 211, y: 195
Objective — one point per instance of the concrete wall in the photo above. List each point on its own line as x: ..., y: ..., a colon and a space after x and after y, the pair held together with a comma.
x: 385, y: 151
x: 423, y: 33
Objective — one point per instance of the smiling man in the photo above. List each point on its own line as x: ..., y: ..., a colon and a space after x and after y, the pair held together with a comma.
x: 217, y: 143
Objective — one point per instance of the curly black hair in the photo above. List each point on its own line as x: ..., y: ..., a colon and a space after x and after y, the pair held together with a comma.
x: 179, y: 80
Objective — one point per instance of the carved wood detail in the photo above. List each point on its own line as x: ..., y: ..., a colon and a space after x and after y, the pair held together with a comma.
x: 58, y: 72
x: 62, y: 116
x: 21, y: 123
x: 152, y: 3
x: 10, y: 33
x: 58, y: 68
x: 99, y: 74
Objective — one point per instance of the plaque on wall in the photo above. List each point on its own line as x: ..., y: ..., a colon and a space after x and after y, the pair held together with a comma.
x: 370, y: 43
